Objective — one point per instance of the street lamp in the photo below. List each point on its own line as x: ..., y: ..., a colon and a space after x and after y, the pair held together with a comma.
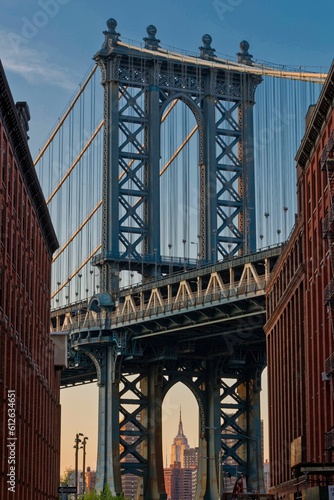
x: 285, y: 211
x: 215, y: 249
x: 84, y: 465
x: 155, y: 263
x: 197, y: 254
x: 278, y: 235
x: 76, y: 446
x: 170, y: 258
x: 266, y: 214
x: 184, y: 253
x: 79, y: 293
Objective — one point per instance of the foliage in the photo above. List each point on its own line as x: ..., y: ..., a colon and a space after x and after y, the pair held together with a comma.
x: 67, y: 477
x: 104, y: 495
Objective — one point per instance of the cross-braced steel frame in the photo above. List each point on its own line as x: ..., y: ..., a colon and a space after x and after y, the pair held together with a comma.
x: 133, y: 384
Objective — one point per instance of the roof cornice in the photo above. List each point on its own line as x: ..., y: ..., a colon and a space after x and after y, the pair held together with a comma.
x: 319, y: 117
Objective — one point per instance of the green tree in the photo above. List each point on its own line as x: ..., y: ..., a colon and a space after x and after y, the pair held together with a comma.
x: 104, y: 495
x: 66, y: 479
x: 91, y: 496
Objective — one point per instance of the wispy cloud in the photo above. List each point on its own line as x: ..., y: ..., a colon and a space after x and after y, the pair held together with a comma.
x: 32, y: 65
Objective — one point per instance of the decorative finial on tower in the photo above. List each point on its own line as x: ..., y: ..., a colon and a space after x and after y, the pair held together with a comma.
x: 151, y: 42
x: 207, y: 52
x: 111, y: 36
x: 244, y: 56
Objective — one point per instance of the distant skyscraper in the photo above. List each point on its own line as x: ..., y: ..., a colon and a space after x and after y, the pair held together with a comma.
x: 180, y: 444
x: 179, y: 482
x: 190, y: 458
x: 180, y: 477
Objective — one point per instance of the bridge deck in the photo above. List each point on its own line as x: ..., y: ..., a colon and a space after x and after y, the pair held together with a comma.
x: 202, y: 312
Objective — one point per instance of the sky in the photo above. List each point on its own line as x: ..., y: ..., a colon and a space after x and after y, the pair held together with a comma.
x: 46, y: 48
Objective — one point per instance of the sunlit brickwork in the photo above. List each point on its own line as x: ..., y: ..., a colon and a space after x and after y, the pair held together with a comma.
x: 298, y: 329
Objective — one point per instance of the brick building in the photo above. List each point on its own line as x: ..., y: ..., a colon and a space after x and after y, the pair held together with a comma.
x: 90, y: 479
x: 29, y: 382
x: 299, y: 327
x: 179, y: 482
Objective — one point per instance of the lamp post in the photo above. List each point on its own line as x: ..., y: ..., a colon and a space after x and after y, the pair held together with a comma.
x: 184, y: 253
x: 84, y: 465
x: 79, y: 292
x: 170, y: 258
x: 215, y: 249
x: 155, y: 263
x: 67, y: 297
x: 76, y: 446
x: 197, y: 254
x: 285, y: 231
x: 278, y: 235
x: 266, y: 214
x: 261, y: 238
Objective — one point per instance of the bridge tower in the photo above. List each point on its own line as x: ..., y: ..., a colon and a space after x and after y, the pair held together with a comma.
x: 139, y: 85
x: 134, y: 376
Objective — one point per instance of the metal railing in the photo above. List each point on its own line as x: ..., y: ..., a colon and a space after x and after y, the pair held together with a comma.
x: 108, y: 320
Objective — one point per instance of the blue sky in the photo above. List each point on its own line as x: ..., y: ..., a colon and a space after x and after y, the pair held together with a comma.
x: 46, y: 47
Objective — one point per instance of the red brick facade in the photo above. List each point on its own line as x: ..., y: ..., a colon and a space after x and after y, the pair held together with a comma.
x: 30, y: 414
x: 299, y: 331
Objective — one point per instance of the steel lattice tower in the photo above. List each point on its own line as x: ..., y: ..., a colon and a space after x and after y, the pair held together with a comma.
x: 221, y: 101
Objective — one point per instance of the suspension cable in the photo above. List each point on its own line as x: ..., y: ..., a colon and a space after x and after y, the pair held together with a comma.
x: 65, y: 115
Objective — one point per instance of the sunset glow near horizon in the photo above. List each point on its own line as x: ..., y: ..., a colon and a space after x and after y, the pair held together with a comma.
x: 83, y: 401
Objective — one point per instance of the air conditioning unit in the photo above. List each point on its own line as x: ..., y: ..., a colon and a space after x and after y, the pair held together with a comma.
x: 325, y: 376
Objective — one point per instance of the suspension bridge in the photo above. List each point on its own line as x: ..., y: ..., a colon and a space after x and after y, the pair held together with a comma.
x: 171, y: 197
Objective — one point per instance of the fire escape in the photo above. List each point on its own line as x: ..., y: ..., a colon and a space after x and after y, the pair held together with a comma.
x: 327, y: 164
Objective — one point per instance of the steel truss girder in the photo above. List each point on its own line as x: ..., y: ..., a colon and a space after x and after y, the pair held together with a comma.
x: 226, y: 301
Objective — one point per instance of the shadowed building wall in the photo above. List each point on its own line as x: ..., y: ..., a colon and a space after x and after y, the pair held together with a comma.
x: 29, y: 382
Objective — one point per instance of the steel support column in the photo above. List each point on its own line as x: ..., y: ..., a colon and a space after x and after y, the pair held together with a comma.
x: 153, y: 165
x: 255, y: 465
x: 210, y: 169
x: 154, y: 488
x: 212, y: 419
x: 108, y: 464
x: 250, y: 423
x: 246, y: 152
x: 110, y: 193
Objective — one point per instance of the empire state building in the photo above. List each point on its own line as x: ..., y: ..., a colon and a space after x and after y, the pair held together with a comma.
x: 180, y: 444
x: 180, y: 477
